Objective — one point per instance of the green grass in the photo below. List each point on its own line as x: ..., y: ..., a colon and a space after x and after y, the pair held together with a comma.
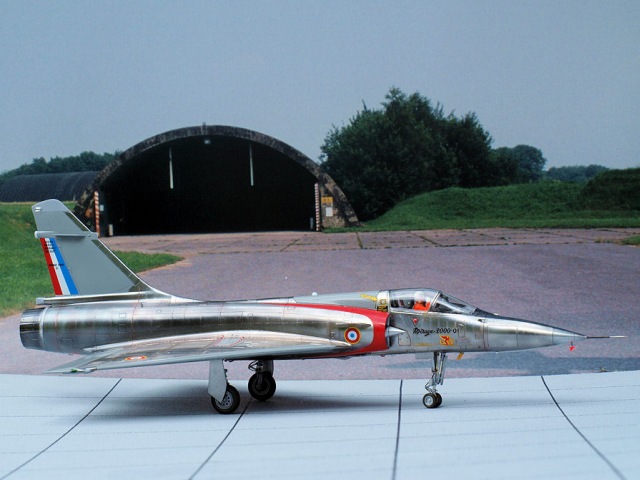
x: 139, y: 262
x: 631, y: 241
x: 23, y: 273
x: 542, y: 205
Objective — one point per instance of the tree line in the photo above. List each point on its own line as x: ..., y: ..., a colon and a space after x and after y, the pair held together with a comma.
x: 85, y: 162
x: 410, y: 146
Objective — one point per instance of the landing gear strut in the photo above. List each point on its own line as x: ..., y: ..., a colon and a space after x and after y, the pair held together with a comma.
x: 432, y: 399
x: 226, y: 399
x: 262, y: 385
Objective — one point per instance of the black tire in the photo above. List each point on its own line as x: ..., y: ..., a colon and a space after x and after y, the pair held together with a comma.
x: 438, y: 400
x: 230, y: 402
x: 430, y: 400
x: 262, y: 389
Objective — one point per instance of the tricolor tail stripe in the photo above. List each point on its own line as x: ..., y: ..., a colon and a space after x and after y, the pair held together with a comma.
x: 60, y: 276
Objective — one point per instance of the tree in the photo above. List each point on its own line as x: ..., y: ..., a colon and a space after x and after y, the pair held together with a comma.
x: 471, y: 146
x: 358, y: 172
x: 384, y: 156
x: 408, y: 147
x: 576, y: 174
x: 530, y: 163
x: 505, y: 166
x: 520, y: 164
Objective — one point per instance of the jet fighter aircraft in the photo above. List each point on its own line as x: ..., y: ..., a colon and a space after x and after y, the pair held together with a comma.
x: 104, y: 312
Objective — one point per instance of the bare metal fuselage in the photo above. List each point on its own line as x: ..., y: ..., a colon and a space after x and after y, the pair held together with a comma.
x: 382, y: 327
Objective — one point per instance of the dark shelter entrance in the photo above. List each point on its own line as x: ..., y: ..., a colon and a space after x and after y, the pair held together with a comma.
x: 221, y: 184
x: 213, y: 179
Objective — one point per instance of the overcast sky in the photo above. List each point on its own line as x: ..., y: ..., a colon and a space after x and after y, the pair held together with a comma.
x: 563, y: 76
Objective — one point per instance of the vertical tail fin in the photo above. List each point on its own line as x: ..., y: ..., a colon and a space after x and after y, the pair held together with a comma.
x: 79, y: 263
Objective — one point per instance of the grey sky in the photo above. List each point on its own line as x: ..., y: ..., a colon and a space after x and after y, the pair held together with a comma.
x: 86, y: 75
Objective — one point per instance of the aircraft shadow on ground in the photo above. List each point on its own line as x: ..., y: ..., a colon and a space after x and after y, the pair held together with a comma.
x: 300, y: 401
x: 157, y: 401
x: 194, y: 400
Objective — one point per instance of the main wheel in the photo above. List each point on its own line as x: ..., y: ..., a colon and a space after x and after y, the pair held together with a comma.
x: 262, y: 389
x: 229, y: 403
x: 430, y: 400
x: 438, y: 399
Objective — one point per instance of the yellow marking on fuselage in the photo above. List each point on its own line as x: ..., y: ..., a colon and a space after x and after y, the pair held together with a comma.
x: 369, y: 297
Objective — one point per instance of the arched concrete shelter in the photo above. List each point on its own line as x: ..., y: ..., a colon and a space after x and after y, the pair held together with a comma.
x: 42, y: 186
x: 213, y: 179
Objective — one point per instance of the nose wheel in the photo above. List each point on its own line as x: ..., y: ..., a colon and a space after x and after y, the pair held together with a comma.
x: 432, y: 399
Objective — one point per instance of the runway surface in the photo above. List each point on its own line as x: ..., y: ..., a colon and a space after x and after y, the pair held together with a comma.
x: 340, y: 418
x: 551, y: 427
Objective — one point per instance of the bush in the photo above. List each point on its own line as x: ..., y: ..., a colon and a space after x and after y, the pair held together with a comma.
x: 614, y: 189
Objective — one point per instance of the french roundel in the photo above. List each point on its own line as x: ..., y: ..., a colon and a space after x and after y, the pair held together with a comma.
x: 352, y: 335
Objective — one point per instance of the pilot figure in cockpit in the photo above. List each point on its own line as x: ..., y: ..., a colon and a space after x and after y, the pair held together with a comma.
x: 421, y: 302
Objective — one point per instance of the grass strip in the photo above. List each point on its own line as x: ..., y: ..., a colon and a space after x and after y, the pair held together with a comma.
x: 23, y: 273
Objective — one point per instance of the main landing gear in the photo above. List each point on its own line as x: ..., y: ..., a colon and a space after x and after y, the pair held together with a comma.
x: 229, y: 402
x: 432, y: 399
x: 226, y: 399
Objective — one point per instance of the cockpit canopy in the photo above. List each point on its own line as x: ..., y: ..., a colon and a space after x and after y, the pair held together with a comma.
x: 428, y: 301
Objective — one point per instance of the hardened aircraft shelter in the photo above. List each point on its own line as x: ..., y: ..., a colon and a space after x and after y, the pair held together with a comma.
x: 213, y: 179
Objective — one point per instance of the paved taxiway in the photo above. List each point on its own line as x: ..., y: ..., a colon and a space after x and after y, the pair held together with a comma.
x: 551, y: 427
x: 487, y: 427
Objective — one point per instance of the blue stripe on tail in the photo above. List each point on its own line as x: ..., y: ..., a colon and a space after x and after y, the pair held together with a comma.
x: 73, y: 290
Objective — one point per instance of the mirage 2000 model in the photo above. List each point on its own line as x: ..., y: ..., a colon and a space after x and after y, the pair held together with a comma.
x: 103, y: 311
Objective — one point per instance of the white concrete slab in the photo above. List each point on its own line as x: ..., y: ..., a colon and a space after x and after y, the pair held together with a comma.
x: 605, y: 409
x: 566, y: 426
x: 317, y: 429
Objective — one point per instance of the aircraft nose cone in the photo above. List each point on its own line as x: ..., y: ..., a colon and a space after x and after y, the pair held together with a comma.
x: 534, y: 335
x: 512, y: 334
x: 560, y: 336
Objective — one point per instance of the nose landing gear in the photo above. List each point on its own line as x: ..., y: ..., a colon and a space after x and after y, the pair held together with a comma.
x: 432, y: 399
x: 262, y: 385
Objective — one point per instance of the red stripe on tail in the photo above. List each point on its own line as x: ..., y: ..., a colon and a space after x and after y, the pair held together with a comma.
x: 52, y: 271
